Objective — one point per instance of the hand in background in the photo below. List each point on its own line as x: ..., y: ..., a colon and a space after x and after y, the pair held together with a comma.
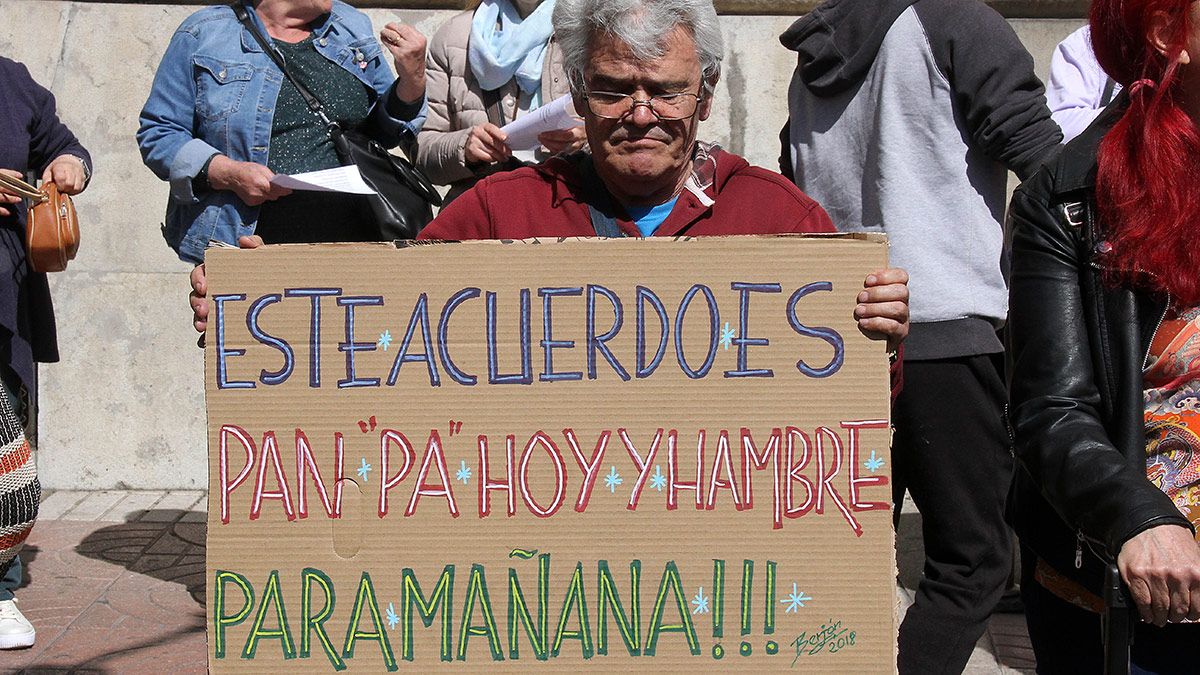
x: 563, y: 140
x: 407, y: 46
x: 882, y: 310
x: 67, y: 172
x: 1161, y: 567
x: 486, y: 145
x: 249, y: 181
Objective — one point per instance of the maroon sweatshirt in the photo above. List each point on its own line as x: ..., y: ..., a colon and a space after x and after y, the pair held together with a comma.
x: 725, y: 195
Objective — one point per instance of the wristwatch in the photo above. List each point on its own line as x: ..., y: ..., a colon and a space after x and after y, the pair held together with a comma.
x: 87, y: 170
x: 200, y: 182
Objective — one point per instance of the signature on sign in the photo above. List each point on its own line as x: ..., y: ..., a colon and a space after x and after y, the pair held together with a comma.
x: 831, y: 636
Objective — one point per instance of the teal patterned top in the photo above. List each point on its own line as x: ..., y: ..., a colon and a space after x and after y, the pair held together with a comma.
x: 299, y: 141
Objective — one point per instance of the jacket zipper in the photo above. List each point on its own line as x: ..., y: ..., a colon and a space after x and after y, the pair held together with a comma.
x: 1161, y: 317
x: 1008, y: 427
x: 1094, y: 545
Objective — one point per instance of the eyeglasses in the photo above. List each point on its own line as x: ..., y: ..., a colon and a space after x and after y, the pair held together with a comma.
x: 611, y: 105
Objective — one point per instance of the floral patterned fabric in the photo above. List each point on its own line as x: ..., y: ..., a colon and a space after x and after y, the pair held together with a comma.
x: 1172, y: 399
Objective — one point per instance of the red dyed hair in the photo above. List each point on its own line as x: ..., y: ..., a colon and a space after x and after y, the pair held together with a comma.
x: 1148, y: 183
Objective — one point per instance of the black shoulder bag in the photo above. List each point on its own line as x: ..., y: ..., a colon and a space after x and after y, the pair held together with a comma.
x: 404, y: 197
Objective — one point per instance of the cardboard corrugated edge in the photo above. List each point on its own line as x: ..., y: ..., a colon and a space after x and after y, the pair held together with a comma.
x: 872, y: 237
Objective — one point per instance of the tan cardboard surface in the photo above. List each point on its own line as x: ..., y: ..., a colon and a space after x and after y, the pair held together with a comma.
x: 602, y: 554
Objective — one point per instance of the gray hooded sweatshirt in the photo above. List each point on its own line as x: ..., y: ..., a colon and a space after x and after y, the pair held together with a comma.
x: 905, y: 116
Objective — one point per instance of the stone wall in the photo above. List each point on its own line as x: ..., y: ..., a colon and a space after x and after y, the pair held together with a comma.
x: 125, y: 407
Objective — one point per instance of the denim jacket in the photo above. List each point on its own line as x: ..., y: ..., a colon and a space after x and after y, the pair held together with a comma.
x: 215, y: 92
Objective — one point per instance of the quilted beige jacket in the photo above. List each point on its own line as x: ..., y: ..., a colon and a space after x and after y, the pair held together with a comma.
x: 457, y: 103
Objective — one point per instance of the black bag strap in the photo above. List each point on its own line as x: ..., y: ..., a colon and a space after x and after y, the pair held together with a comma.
x: 595, y: 193
x: 605, y: 225
x: 492, y: 99
x: 311, y: 100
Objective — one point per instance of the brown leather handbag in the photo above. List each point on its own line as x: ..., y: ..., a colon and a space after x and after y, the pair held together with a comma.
x: 52, y: 228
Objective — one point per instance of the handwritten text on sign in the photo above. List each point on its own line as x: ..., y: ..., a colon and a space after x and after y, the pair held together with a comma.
x: 670, y: 408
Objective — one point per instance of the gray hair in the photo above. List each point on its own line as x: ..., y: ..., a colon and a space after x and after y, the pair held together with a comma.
x: 643, y: 25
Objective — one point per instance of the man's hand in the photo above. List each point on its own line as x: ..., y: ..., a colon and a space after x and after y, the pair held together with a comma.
x: 486, y: 145
x: 198, y: 298
x: 563, y: 140
x: 7, y: 197
x: 66, y: 171
x: 249, y: 181
x: 1161, y: 567
x: 882, y: 310
x: 407, y: 46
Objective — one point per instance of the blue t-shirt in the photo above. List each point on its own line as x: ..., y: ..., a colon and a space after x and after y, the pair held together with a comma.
x: 648, y: 218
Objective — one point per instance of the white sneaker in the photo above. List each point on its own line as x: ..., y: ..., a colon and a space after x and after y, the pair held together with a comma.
x: 15, y: 629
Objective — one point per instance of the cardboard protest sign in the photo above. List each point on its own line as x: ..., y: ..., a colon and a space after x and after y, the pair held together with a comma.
x: 580, y: 454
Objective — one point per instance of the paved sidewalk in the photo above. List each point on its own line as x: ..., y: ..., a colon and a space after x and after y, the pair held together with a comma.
x: 115, y: 584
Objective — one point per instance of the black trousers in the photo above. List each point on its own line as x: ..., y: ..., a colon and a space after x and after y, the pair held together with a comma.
x: 1068, y: 640
x: 314, y: 217
x: 950, y: 451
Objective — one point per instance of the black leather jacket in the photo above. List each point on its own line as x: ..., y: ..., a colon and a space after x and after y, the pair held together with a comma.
x: 1077, y: 349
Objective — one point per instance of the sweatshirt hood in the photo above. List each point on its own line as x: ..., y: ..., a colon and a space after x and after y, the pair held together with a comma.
x: 837, y: 42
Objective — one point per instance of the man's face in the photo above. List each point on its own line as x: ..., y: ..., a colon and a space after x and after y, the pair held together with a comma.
x: 643, y: 160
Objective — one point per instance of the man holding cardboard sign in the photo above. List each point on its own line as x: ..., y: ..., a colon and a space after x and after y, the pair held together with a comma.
x: 481, y: 444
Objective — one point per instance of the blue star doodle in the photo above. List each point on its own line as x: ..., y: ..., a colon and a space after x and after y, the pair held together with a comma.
x: 796, y: 600
x: 658, y: 481
x: 464, y: 473
x: 390, y: 616
x: 612, y: 480
x: 726, y: 337
x: 874, y: 463
x: 385, y: 340
x: 363, y: 470
x: 700, y: 602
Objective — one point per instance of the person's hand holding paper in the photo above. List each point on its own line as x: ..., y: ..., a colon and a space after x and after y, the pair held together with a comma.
x: 554, y: 125
x: 563, y: 140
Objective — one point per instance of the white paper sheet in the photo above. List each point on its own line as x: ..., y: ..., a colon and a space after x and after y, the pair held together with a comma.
x: 557, y: 114
x: 338, y: 179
